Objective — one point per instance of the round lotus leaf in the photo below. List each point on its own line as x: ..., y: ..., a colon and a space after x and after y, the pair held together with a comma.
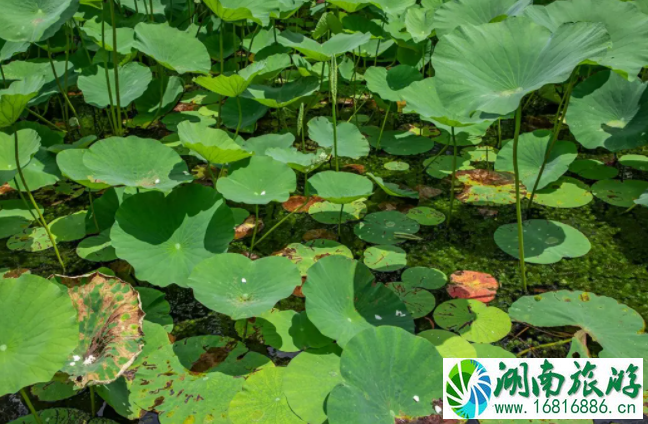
x: 425, y: 278
x: 258, y: 181
x: 134, y: 78
x: 567, y: 192
x: 70, y: 162
x: 28, y: 144
x: 517, y: 56
x: 234, y: 285
x: 307, y: 254
x: 164, y: 237
x: 613, y: 325
x: 125, y: 36
x: 136, y: 162
x: 419, y: 23
x: 619, y: 193
x: 388, y: 83
x: 397, y: 166
x: 97, y: 248
x: 308, y: 380
x: 335, y: 46
x: 30, y: 240
x: 224, y: 85
x: 41, y: 171
x: 282, y: 96
x: 110, y: 328
x: 301, y: 162
x: 385, y: 258
x: 351, y: 142
x: 173, y: 119
x: 289, y: 331
x: 474, y: 12
x: 194, y: 379
x: 393, y: 189
x: 34, y: 21
x: 593, y: 169
x: 259, y: 145
x: 484, y: 187
x: 397, y: 391
x: 252, y: 112
x: 449, y: 344
x: 340, y: 187
x: 470, y: 136
x: 105, y: 209
x: 342, y: 300
x: 426, y: 216
x: 627, y: 28
x: 45, y: 322
x: 473, y: 320
x: 485, y: 350
x: 442, y: 166
x: 531, y: 155
x: 606, y: 110
x: 14, y: 217
x: 545, y: 242
x: 418, y: 301
x: 398, y: 143
x: 54, y: 390
x: 70, y: 227
x: 388, y: 227
x: 638, y: 162
x: 156, y: 307
x: 174, y: 49
x: 329, y: 213
x: 210, y: 144
x: 263, y: 400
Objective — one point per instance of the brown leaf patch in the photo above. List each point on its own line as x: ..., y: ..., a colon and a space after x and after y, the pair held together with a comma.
x: 319, y: 233
x: 472, y: 285
x: 426, y: 192
x: 247, y: 227
x: 15, y: 273
x: 356, y: 168
x: 296, y: 203
x: 5, y: 188
x: 486, y: 177
x: 211, y: 359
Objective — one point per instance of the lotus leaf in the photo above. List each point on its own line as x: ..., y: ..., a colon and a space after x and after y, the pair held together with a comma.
x: 307, y: 254
x: 473, y: 320
x: 389, y: 83
x: 230, y: 86
x: 61, y: 416
x: 442, y: 166
x: 156, y: 307
x: 287, y: 94
x: 211, y: 145
x: 301, y: 162
x: 338, y: 44
x: 148, y: 104
x: 14, y: 217
x: 125, y: 36
x: 253, y: 112
x: 397, y: 166
x: 473, y: 285
x: 340, y: 187
x: 449, y: 344
x: 14, y: 100
x: 413, y: 289
x: 105, y: 209
x: 567, y: 192
x: 619, y: 193
x: 70, y: 162
x: 385, y: 258
x: 419, y: 23
x: 259, y: 145
x: 426, y: 278
x: 483, y: 187
x: 398, y: 143
x: 388, y: 227
x: 28, y: 145
x: 638, y: 162
x: 30, y: 240
x: 54, y: 390
x: 474, y: 12
x: 289, y: 331
x: 481, y: 154
x: 41, y: 171
x: 351, y: 142
x: 485, y: 350
x: 393, y: 189
x: 34, y: 20
x: 97, y: 249
x: 643, y: 199
x: 134, y: 78
x: 70, y: 227
x: 258, y: 181
x: 593, y: 169
x: 332, y: 213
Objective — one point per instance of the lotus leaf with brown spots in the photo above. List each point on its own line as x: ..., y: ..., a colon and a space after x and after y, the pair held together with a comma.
x: 484, y: 187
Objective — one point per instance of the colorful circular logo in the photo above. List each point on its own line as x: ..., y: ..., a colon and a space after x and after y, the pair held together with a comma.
x: 468, y: 389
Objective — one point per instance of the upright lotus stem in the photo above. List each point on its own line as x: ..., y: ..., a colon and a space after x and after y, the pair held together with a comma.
x: 93, y: 407
x: 221, y: 34
x: 116, y: 64
x: 256, y: 226
x: 240, y: 120
x: 300, y: 126
x: 333, y: 80
x: 105, y: 57
x: 92, y: 211
x: 278, y: 224
x: 499, y: 133
x: 58, y: 84
x: 33, y: 202
x: 4, y: 80
x: 340, y: 222
x: 518, y: 202
x: 454, y: 174
x: 30, y: 406
x: 382, y: 127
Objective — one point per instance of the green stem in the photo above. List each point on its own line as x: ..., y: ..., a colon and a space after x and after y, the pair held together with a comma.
x: 45, y: 120
x: 499, y: 133
x: 333, y: 80
x: 92, y: 211
x: 4, y: 80
x: 240, y: 120
x: 58, y: 83
x: 221, y: 34
x: 382, y: 128
x: 378, y: 45
x: 22, y: 197
x: 25, y: 397
x: 211, y: 175
x: 274, y: 227
x: 454, y: 175
x: 542, y: 346
x: 108, y: 85
x: 518, y: 202
x: 340, y: 222
x: 442, y: 151
x: 256, y: 227
x: 116, y: 65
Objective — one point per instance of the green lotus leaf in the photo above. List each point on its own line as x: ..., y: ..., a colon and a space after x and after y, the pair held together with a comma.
x: 342, y: 299
x: 125, y: 36
x: 134, y: 78
x: 449, y: 344
x: 471, y: 135
x: 393, y: 189
x: 14, y: 217
x: 14, y: 100
x: 419, y: 23
x: 234, y: 285
x: 619, y: 193
x: 388, y: 84
x: 473, y: 320
x: 481, y: 154
x: 618, y: 328
x: 397, y: 166
x: 28, y: 144
x: 567, y: 192
x: 156, y: 307
x: 397, y: 391
x: 231, y: 43
x: 252, y: 112
x: 194, y: 379
x: 289, y: 331
x: 332, y: 213
x: 426, y: 216
x: 471, y: 12
x: 70, y: 162
x: 351, y: 142
x: 34, y: 21
x: 531, y: 155
x: 608, y: 111
x: 338, y: 44
x: 282, y: 96
x: 105, y: 209
x: 172, y: 48
x: 398, y: 143
x: 148, y: 104
x: 425, y: 278
x: 340, y: 187
x: 36, y: 80
x: 643, y: 199
x: 44, y: 322
x: 483, y: 187
x: 418, y: 301
x: 307, y: 254
x: 385, y: 258
x: 136, y: 162
x: 211, y: 145
x: 627, y: 28
x: 489, y: 351
x: 638, y: 162
x: 545, y: 242
x: 59, y: 388
x: 259, y: 12
x: 10, y: 48
x: 388, y: 227
x: 515, y: 57
x: 258, y: 181
x: 442, y: 166
x: 97, y: 249
x: 263, y: 400
x: 259, y: 145
x: 308, y: 380
x: 593, y: 169
x: 70, y: 227
x: 300, y: 162
x: 41, y: 171
x: 30, y: 240
x: 230, y: 86
x: 60, y: 416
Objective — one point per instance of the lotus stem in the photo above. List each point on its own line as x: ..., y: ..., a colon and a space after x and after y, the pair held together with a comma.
x: 92, y: 211
x: 518, y: 202
x: 60, y: 87
x: 22, y: 197
x: 382, y: 28
x: 221, y: 34
x: 45, y: 120
x: 159, y: 110
x: 558, y: 343
x: 240, y: 120
x: 247, y: 56
x: 236, y: 67
x: 340, y: 222
x: 4, y: 80
x: 306, y: 189
x: 211, y: 175
x: 274, y: 227
x: 110, y: 96
x: 454, y: 175
x: 33, y: 201
x: 300, y: 126
x: 499, y: 133
x: 256, y: 226
x: 30, y: 406
x: 442, y: 151
x: 151, y: 10
x: 333, y: 79
x: 116, y: 63
x: 382, y: 128
x: 67, y: 60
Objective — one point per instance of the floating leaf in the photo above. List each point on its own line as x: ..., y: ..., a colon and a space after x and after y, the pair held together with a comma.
x: 393, y: 189
x: 484, y: 187
x: 449, y: 344
x: 397, y: 166
x: 485, y: 350
x: 30, y: 240
x: 418, y: 301
x: 61, y: 416
x: 54, y: 390
x: 593, y: 169
x: 472, y: 285
x: 351, y: 142
x: 306, y: 255
x: 567, y: 192
x: 426, y: 216
x: 638, y: 162
x: 619, y: 193
x: 481, y: 153
x: 258, y: 181
x: 70, y: 227
x: 14, y: 217
x: 97, y: 249
x: 442, y: 166
x: 289, y: 331
x: 340, y: 187
x: 473, y: 320
x: 422, y: 277
x: 332, y: 213
x: 385, y: 258
x: 389, y: 227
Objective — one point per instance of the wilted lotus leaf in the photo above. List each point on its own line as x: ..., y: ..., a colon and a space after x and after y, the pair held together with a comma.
x: 134, y: 78
x: 301, y: 204
x: 638, y: 162
x: 194, y: 379
x: 619, y: 193
x: 14, y: 217
x: 97, y: 249
x: 481, y: 153
x: 426, y: 216
x: 338, y: 44
x: 400, y: 390
x: 620, y: 330
x: 110, y: 328
x: 567, y: 192
x: 449, y: 344
x: 413, y: 289
x: 593, y: 169
x: 385, y: 258
x: 483, y: 187
x: 282, y: 96
x: 136, y: 162
x: 473, y: 320
x: 545, y: 242
x: 472, y: 285
x: 308, y: 380
x: 289, y: 331
x: 340, y: 187
x: 258, y: 181
x: 35, y: 20
x: 43, y: 322
x: 388, y: 227
x: 398, y: 143
x: 164, y: 237
x: 234, y: 285
x: 70, y: 162
x: 442, y: 166
x: 28, y: 145
x: 474, y: 12
x: 329, y: 213
x: 351, y: 142
x: 485, y: 350
x: 246, y: 228
x: 70, y: 227
x: 307, y: 254
x: 388, y: 83
x: 156, y: 307
x: 343, y: 299
x: 34, y: 239
x: 210, y: 144
x: 393, y: 189
x: 319, y: 233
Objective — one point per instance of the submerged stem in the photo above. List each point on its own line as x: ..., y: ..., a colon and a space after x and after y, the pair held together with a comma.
x: 518, y: 202
x: 558, y: 343
x: 30, y: 406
